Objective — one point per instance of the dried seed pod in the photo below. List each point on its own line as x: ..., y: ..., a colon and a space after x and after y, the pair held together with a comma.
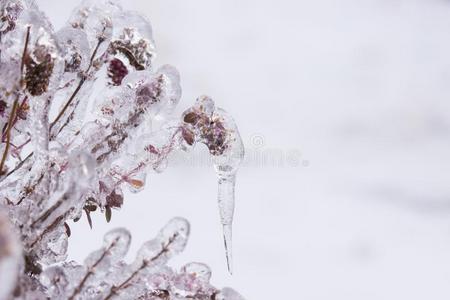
x: 37, y: 75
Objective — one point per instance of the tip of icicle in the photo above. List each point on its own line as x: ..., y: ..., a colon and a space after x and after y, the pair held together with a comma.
x: 227, y: 236
x: 230, y: 267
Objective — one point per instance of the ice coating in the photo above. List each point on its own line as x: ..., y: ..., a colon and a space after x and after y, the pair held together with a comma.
x: 170, y: 241
x: 98, y: 263
x: 226, y: 166
x: 105, y: 275
x: 225, y: 199
x: 85, y: 113
x: 215, y: 128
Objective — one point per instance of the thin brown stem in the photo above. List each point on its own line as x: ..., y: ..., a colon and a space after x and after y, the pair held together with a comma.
x: 29, y: 189
x: 8, y: 134
x: 21, y: 106
x: 20, y: 164
x: 145, y: 263
x: 25, y: 49
x: 80, y: 84
x: 49, y: 211
x: 63, y: 110
x: 66, y: 106
x: 52, y: 226
x: 12, y: 115
x: 91, y: 271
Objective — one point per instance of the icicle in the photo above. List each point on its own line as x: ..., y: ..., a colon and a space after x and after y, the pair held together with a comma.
x: 226, y: 209
x: 226, y: 165
x: 215, y: 128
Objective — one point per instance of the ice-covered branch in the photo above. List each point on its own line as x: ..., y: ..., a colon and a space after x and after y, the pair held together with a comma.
x: 84, y: 113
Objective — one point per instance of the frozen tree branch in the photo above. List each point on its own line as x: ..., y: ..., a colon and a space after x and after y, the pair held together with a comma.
x: 96, y: 80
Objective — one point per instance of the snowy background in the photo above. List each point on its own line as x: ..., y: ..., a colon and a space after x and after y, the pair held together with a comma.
x: 344, y: 107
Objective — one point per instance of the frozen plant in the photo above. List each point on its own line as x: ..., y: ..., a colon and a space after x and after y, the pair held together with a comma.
x: 84, y: 114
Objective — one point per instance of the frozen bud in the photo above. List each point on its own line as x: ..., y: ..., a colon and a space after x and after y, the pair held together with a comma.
x: 205, y: 123
x: 199, y: 270
x: 149, y: 93
x: 228, y: 162
x: 114, y: 199
x: 39, y: 66
x: 161, y: 93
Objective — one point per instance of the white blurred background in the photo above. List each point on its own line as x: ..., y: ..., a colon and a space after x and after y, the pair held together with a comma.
x: 344, y: 107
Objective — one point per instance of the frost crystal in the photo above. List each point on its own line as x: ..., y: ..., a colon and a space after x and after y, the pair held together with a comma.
x: 84, y: 113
